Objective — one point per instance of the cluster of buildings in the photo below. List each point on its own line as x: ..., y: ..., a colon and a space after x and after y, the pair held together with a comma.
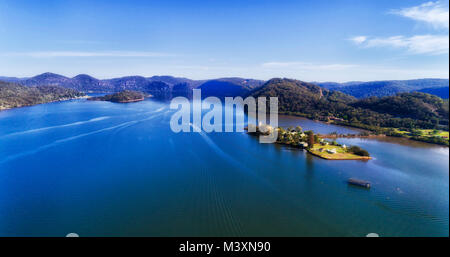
x: 296, y: 137
x: 329, y: 150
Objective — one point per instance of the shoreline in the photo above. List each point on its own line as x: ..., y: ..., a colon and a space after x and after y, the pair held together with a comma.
x: 55, y: 101
x: 125, y: 96
x: 351, y: 136
x: 324, y: 122
x: 336, y: 156
x: 330, y: 136
x: 362, y: 158
x: 132, y: 100
x: 359, y: 128
x: 122, y: 102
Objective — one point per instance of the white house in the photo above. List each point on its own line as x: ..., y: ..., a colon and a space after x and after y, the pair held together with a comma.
x: 303, y: 144
x: 331, y: 151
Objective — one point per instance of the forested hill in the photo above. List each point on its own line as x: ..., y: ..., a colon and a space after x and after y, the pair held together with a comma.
x: 388, y: 87
x: 169, y: 86
x: 303, y: 98
x: 406, y: 110
x: 228, y: 87
x: 413, y: 105
x: 442, y: 92
x: 14, y: 95
x: 159, y: 86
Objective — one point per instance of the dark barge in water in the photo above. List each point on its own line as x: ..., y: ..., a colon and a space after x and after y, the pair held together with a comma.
x: 357, y: 182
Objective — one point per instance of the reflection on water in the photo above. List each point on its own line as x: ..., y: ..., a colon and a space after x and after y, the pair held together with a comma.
x: 407, y: 142
x: 309, y: 166
x: 130, y: 175
x: 319, y: 127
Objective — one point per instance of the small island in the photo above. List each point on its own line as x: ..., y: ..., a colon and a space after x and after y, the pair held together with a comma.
x: 126, y: 96
x: 313, y: 143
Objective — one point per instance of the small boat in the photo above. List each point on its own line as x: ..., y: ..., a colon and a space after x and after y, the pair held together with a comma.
x: 357, y: 182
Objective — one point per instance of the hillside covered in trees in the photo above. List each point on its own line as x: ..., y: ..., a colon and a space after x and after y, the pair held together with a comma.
x: 405, y: 110
x: 389, y: 87
x: 413, y: 105
x: 14, y: 95
x: 442, y: 92
x: 162, y: 87
x: 304, y: 98
x: 167, y: 87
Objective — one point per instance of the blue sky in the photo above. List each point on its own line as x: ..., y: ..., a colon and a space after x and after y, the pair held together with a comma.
x: 321, y: 40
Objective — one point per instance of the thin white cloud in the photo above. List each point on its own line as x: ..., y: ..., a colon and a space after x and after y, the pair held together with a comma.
x: 433, y: 13
x: 54, y: 54
x: 420, y: 44
x: 359, y: 39
x: 307, y: 66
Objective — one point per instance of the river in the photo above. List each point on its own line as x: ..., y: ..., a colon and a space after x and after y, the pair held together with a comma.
x: 107, y: 169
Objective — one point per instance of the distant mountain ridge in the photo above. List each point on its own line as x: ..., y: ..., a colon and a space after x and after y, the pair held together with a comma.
x: 387, y: 87
x: 169, y: 86
x: 159, y: 86
x: 11, y: 79
x: 442, y: 92
x: 415, y: 105
x: 408, y: 110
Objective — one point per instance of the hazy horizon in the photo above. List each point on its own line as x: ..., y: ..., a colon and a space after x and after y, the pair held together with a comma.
x: 168, y: 75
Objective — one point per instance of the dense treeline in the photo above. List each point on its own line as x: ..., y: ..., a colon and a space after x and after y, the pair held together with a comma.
x: 388, y: 87
x: 168, y: 86
x: 13, y: 95
x: 162, y: 87
x: 415, y: 105
x: 405, y: 110
x: 358, y: 151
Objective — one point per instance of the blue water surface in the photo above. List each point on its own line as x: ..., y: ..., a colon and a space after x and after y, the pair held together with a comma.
x: 108, y: 169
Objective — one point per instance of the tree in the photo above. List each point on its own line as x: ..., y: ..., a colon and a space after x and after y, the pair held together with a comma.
x: 311, y: 139
x: 358, y: 151
x: 316, y: 138
x: 416, y: 132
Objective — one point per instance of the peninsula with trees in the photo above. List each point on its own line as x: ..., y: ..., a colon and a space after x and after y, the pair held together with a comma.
x: 313, y: 143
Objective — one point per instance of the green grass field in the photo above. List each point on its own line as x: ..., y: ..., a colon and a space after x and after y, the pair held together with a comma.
x: 341, y: 153
x: 426, y: 133
x: 430, y: 132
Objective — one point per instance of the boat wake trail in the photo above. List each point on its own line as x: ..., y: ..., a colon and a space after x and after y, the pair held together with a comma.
x: 160, y: 109
x: 216, y: 148
x: 64, y: 140
x: 55, y: 127
x: 70, y: 124
x: 230, y: 159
